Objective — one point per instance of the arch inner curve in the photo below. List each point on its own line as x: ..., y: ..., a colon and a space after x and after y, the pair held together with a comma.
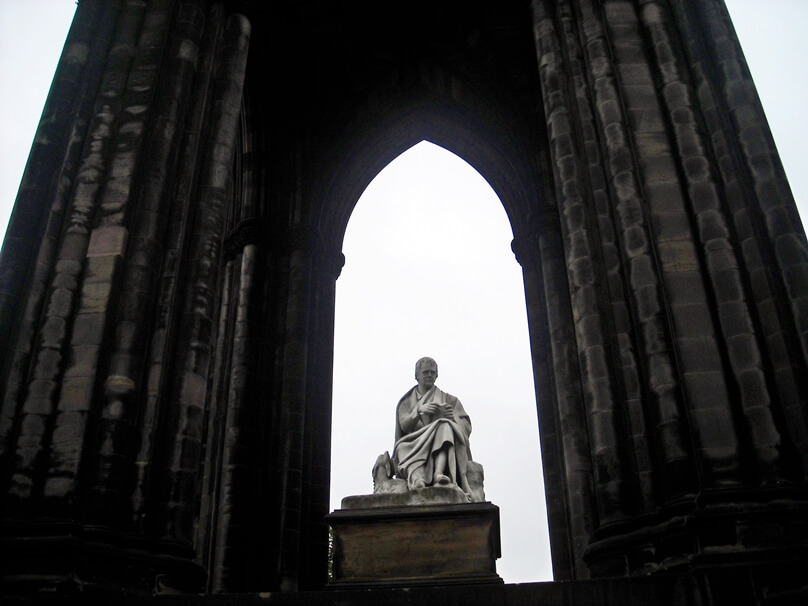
x: 429, y: 271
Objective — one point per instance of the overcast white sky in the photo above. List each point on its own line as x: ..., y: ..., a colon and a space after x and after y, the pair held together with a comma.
x: 428, y: 272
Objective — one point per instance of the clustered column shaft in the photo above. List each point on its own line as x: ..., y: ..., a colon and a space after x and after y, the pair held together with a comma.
x: 650, y: 151
x: 145, y: 109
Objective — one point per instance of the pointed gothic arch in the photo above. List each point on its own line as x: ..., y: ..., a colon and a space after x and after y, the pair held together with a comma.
x: 498, y: 142
x: 430, y: 102
x: 482, y: 342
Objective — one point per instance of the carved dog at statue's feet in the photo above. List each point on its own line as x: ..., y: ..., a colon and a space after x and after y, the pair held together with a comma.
x: 383, y: 480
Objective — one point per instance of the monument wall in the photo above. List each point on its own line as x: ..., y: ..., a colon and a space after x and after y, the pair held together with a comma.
x: 167, y: 284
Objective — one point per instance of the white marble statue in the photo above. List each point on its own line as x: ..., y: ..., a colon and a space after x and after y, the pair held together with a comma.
x: 432, y: 442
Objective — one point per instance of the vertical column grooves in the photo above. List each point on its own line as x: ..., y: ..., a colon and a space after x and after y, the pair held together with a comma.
x: 534, y: 255
x: 208, y: 551
x: 602, y: 414
x: 166, y: 314
x: 71, y: 267
x: 722, y: 265
x: 575, y: 444
x: 73, y: 86
x: 293, y: 402
x: 106, y: 252
x: 639, y: 256
x: 237, y: 465
x: 124, y: 384
x: 770, y: 312
x: 614, y: 289
x: 79, y: 74
x: 769, y: 184
x: 184, y: 416
x: 578, y: 446
x: 314, y: 537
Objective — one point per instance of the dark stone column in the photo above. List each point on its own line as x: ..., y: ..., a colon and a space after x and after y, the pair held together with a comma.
x: 620, y: 320
x: 50, y: 332
x: 231, y: 470
x: 317, y: 454
x: 567, y: 466
x: 147, y: 121
x: 651, y: 121
x: 722, y: 258
x: 32, y: 238
x: 301, y: 482
x: 292, y: 419
x: 172, y: 277
x: 183, y: 425
x: 730, y: 113
x: 602, y: 422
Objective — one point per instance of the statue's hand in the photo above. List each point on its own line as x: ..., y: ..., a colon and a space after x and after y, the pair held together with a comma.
x: 448, y: 412
x: 431, y: 408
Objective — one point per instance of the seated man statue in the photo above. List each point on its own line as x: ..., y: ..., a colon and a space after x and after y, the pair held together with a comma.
x: 432, y: 441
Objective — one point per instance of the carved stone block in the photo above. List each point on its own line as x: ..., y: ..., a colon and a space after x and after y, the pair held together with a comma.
x: 415, y: 545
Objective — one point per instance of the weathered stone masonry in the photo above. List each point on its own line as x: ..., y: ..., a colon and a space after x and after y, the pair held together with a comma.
x: 167, y: 285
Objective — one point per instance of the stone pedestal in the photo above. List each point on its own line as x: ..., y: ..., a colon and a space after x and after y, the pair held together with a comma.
x: 437, y: 544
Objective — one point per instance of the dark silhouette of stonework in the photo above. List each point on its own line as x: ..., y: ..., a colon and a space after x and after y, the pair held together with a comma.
x: 167, y: 292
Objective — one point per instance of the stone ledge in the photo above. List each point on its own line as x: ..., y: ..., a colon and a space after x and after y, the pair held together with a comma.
x: 646, y: 591
x: 431, y: 495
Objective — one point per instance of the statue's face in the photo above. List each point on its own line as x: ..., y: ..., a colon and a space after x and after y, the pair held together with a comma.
x: 427, y: 374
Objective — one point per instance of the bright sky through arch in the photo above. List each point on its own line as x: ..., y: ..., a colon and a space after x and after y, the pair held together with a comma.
x: 429, y: 272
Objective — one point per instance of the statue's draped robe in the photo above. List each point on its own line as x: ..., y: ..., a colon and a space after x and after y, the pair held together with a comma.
x: 420, y: 436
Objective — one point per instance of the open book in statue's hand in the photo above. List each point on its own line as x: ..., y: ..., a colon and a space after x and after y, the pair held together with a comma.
x: 433, y: 411
x: 442, y: 411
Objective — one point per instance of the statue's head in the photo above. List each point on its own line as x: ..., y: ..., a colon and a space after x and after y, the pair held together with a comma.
x: 426, y: 372
x: 423, y: 361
